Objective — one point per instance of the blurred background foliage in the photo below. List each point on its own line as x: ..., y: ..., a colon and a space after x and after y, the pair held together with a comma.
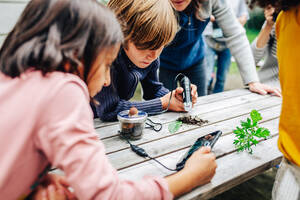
x: 256, y: 20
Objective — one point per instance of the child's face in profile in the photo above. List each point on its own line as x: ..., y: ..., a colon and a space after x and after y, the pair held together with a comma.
x: 180, y: 5
x: 142, y: 58
x: 99, y: 74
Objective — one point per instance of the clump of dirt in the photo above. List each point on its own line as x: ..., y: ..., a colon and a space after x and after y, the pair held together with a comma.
x: 194, y: 120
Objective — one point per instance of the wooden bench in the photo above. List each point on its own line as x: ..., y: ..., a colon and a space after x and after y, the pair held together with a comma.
x: 224, y: 111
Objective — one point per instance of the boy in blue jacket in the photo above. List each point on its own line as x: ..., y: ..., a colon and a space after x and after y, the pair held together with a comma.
x: 147, y: 26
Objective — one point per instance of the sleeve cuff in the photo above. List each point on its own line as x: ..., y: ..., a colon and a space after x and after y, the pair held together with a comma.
x: 150, y: 106
x: 254, y: 45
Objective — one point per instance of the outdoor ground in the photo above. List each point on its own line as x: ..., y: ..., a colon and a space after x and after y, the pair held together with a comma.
x: 259, y: 187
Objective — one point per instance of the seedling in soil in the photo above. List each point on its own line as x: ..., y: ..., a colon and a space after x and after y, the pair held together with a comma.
x: 249, y: 133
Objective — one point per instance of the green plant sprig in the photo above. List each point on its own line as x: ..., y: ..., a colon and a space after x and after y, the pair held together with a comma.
x: 249, y: 132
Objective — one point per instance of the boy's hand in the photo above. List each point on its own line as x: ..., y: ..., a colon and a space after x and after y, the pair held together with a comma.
x: 176, y: 103
x: 194, y: 93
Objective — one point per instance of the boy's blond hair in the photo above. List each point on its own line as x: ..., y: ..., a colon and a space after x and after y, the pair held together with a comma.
x: 149, y: 24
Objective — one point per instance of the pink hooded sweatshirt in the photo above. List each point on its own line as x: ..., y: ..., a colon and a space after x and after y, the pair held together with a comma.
x: 48, y: 119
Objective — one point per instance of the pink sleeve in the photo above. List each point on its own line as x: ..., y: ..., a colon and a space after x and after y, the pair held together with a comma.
x: 67, y: 138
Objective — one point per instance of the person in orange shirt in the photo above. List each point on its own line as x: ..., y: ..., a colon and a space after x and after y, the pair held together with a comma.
x: 287, y: 183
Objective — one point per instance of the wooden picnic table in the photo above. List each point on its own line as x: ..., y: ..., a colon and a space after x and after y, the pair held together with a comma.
x: 224, y: 111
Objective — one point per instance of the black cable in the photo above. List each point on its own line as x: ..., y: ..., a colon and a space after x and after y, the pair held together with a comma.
x: 141, y: 152
x: 173, y: 87
x: 174, y: 170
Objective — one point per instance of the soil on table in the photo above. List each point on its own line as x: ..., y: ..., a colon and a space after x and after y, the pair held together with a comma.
x: 194, y: 120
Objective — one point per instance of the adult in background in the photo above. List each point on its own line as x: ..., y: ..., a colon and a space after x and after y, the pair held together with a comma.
x: 265, y: 46
x: 216, y: 47
x: 186, y: 52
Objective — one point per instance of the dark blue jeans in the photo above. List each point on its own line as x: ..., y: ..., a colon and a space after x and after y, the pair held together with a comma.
x: 196, y: 74
x: 223, y: 64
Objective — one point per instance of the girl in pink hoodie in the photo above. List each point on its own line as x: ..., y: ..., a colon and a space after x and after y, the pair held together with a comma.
x: 58, y: 56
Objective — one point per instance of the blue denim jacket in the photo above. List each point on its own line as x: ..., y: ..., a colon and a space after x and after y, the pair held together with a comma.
x: 234, y: 34
x: 187, y: 48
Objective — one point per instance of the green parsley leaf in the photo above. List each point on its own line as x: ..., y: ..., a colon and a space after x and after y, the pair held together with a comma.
x: 249, y: 133
x: 174, y: 126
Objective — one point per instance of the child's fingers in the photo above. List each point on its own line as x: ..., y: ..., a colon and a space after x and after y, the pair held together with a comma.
x: 194, y: 93
x: 51, y: 192
x: 194, y: 89
x: 65, y: 188
x: 178, y: 94
x: 179, y: 90
x: 205, y: 149
x: 64, y: 182
x: 60, y: 182
x: 40, y: 194
x: 69, y: 194
x: 55, y: 194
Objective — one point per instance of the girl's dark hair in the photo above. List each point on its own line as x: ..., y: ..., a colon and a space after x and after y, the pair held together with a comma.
x: 278, y: 4
x: 51, y: 33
